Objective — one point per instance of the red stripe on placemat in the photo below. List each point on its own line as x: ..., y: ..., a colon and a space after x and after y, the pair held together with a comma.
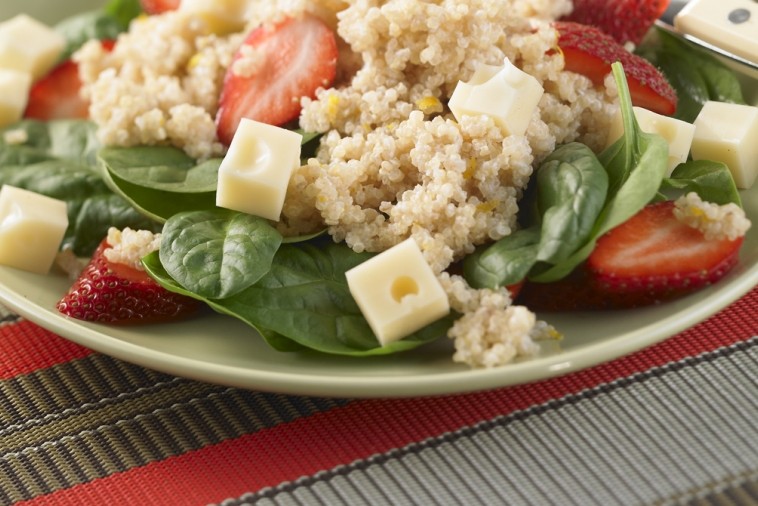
x: 364, y: 428
x: 25, y: 347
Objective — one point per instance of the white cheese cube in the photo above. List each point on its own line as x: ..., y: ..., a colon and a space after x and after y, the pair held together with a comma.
x: 728, y: 133
x: 676, y: 132
x: 254, y: 174
x: 507, y: 94
x: 32, y: 227
x: 220, y: 16
x: 728, y: 24
x: 14, y: 94
x: 29, y: 46
x: 397, y: 292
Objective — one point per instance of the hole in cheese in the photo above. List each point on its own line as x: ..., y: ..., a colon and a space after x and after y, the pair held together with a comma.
x: 403, y: 287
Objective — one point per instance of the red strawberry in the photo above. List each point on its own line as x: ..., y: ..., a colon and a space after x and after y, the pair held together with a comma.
x: 589, y: 51
x: 118, y: 294
x: 625, y: 20
x: 292, y: 59
x: 57, y: 95
x: 653, y: 255
x: 159, y: 6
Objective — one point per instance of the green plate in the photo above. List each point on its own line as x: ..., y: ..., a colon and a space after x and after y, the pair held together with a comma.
x: 221, y: 350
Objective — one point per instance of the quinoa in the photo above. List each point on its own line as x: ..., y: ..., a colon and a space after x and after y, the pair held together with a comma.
x: 393, y: 162
x: 716, y: 222
x: 129, y: 246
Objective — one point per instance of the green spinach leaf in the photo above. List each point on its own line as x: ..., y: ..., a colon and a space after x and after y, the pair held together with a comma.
x: 103, y: 24
x: 635, y: 175
x: 305, y: 298
x: 92, y: 207
x: 711, y: 180
x: 217, y: 254
x: 695, y: 75
x: 505, y: 262
x: 160, y: 181
x: 571, y: 190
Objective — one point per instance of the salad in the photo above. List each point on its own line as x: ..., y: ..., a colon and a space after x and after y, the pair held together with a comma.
x: 509, y: 223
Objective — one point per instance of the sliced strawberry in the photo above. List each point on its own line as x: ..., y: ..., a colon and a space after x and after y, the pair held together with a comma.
x: 590, y: 52
x: 118, y: 294
x: 288, y: 61
x: 624, y: 20
x: 57, y: 94
x: 654, y: 255
x: 159, y: 6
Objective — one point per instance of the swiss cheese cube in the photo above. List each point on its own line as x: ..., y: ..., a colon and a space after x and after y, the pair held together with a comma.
x: 397, y: 292
x: 32, y: 227
x: 728, y: 133
x: 29, y: 46
x: 14, y: 94
x: 220, y: 16
x: 254, y: 174
x: 506, y: 93
x: 727, y: 24
x: 677, y: 133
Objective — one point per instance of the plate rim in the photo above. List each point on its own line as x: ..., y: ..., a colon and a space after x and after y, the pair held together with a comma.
x: 95, y: 337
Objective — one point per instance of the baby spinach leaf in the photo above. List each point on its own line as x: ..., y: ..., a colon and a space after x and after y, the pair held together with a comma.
x: 104, y: 24
x: 92, y: 207
x: 695, y: 75
x: 218, y: 253
x: 571, y: 191
x: 160, y: 181
x: 505, y: 262
x: 711, y: 180
x: 305, y: 298
x: 71, y: 140
x: 635, y: 174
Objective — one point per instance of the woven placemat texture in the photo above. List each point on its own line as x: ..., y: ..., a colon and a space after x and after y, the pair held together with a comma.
x: 671, y: 424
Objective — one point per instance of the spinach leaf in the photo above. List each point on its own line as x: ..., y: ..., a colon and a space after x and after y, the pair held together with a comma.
x: 505, y: 262
x: 160, y: 181
x: 92, y: 207
x: 71, y: 139
x: 635, y: 174
x: 305, y: 298
x: 571, y: 191
x: 104, y: 24
x: 695, y: 75
x: 711, y: 180
x: 219, y: 253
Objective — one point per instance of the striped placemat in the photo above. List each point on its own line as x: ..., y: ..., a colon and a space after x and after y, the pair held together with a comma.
x: 672, y: 424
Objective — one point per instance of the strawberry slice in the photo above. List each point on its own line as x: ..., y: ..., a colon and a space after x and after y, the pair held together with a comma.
x: 159, y: 6
x: 589, y: 51
x: 118, y: 294
x: 624, y: 20
x: 282, y: 63
x: 653, y: 255
x: 57, y: 94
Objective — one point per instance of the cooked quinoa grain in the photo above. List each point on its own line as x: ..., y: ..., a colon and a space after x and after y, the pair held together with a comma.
x: 716, y: 222
x: 129, y: 246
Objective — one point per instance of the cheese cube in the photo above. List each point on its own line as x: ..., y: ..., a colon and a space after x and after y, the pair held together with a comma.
x: 397, y: 292
x: 727, y: 24
x: 32, y: 227
x: 29, y: 46
x: 220, y: 16
x: 14, y: 94
x: 254, y: 174
x: 676, y: 132
x: 505, y: 93
x: 728, y: 133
